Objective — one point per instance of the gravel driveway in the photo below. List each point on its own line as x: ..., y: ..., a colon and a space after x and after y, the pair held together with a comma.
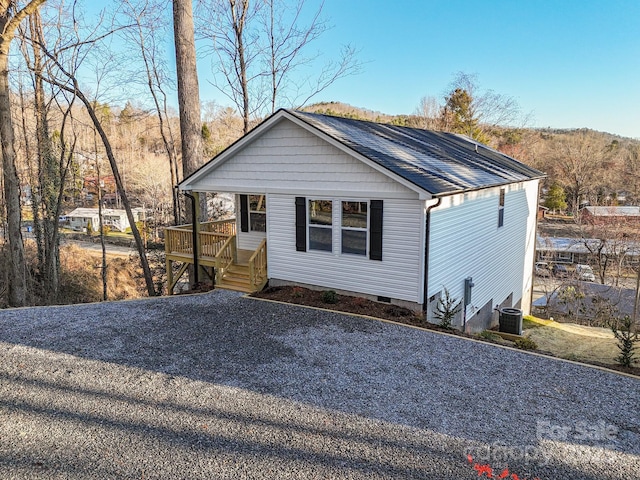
x: 218, y: 386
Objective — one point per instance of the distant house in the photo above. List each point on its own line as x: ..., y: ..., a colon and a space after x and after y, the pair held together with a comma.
x: 574, y: 250
x: 610, y: 215
x: 542, y: 212
x: 391, y: 213
x: 87, y: 219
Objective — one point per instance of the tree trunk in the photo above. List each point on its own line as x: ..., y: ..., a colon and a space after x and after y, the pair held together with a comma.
x: 34, y: 183
x: 188, y: 97
x: 49, y: 173
x: 17, y: 294
x: 103, y: 249
x: 238, y: 29
x: 188, y: 92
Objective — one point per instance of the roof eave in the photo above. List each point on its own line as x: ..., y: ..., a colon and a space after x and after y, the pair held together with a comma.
x: 484, y: 187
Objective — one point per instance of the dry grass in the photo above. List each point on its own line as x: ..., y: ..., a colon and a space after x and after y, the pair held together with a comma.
x: 81, y: 282
x: 573, y: 342
x: 80, y: 276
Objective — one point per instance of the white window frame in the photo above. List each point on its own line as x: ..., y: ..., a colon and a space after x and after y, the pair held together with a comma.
x: 367, y: 230
x: 259, y: 212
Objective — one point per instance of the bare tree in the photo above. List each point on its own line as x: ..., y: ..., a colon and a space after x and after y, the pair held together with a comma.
x: 609, y: 241
x: 471, y: 111
x: 428, y: 113
x: 578, y: 166
x: 46, y: 190
x: 11, y: 15
x: 287, y: 42
x: 65, y: 78
x: 261, y: 48
x: 229, y: 26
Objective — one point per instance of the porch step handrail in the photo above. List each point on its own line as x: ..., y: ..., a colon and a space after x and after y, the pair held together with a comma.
x: 211, y: 243
x: 258, y: 266
x: 225, y: 257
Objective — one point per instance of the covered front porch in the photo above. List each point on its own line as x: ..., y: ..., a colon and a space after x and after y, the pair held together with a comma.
x: 217, y: 255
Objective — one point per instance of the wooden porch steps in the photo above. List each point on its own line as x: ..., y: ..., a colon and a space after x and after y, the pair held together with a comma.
x: 236, y: 278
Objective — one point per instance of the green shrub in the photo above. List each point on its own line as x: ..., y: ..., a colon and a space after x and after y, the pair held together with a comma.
x: 447, y: 309
x: 525, y: 343
x: 627, y: 336
x: 329, y: 296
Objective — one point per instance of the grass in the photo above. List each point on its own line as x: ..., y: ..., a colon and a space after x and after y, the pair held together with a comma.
x: 573, y: 342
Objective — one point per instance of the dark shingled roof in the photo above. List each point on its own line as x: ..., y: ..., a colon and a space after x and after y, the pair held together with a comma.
x: 440, y: 163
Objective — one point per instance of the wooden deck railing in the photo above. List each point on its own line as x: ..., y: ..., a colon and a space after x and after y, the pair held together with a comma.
x: 178, y: 240
x: 217, y: 248
x: 222, y: 227
x: 258, y: 266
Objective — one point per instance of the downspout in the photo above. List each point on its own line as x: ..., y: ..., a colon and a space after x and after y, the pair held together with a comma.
x: 194, y: 239
x: 427, y: 241
x: 535, y: 248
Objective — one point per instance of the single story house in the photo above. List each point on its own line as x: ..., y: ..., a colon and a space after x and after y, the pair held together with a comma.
x: 611, y: 215
x: 391, y: 213
x: 88, y: 220
x: 578, y: 250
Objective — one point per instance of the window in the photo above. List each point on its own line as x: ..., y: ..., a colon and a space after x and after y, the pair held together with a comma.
x: 257, y: 213
x: 501, y: 209
x: 360, y: 229
x: 354, y: 227
x: 320, y: 225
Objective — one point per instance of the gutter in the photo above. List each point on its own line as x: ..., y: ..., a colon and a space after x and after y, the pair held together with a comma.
x: 535, y: 248
x: 427, y: 241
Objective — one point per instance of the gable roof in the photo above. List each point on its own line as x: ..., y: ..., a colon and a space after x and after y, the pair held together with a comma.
x: 439, y: 163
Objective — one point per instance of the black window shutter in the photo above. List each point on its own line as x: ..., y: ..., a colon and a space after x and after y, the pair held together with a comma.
x: 244, y: 213
x: 375, y: 233
x: 301, y: 224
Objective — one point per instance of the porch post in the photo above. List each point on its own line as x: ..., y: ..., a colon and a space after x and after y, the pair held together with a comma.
x: 170, y: 276
x: 196, y: 228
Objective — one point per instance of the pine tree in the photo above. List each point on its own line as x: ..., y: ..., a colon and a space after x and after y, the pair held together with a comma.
x: 556, y: 198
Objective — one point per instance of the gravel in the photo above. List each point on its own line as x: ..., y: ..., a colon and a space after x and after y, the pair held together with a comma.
x: 226, y: 387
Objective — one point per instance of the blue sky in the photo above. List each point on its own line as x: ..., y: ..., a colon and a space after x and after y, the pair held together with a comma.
x: 570, y: 63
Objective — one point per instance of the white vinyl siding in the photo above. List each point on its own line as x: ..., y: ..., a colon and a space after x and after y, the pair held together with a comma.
x: 397, y: 276
x: 289, y: 159
x: 467, y: 242
x: 248, y: 240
